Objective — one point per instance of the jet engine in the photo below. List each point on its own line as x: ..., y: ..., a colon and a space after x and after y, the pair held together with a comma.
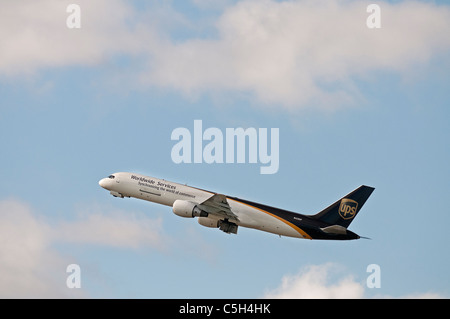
x: 224, y: 225
x: 208, y: 222
x: 187, y: 209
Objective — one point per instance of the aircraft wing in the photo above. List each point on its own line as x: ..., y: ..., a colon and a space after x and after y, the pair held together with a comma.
x: 218, y: 205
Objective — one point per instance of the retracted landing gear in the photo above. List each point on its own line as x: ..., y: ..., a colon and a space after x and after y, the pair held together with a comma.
x: 228, y: 227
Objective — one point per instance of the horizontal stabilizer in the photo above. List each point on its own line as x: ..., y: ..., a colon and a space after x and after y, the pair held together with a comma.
x: 335, y: 229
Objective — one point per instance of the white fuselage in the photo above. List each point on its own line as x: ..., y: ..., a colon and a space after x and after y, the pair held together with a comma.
x: 166, y: 193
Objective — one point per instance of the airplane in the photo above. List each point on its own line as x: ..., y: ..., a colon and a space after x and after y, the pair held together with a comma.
x: 227, y: 213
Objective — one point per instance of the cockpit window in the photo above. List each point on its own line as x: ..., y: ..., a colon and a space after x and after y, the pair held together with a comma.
x: 111, y: 176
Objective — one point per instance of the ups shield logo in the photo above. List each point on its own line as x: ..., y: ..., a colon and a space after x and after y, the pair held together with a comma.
x: 348, y: 208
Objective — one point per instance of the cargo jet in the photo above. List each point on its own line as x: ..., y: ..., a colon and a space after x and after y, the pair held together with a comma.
x: 228, y: 213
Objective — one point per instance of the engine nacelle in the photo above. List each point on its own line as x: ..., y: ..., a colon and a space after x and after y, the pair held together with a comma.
x: 208, y: 222
x: 184, y: 208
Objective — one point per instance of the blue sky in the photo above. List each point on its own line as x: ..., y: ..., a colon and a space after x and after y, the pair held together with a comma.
x: 79, y: 104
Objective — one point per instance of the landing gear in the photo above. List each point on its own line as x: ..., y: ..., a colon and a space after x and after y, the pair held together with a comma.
x: 228, y: 227
x: 116, y: 194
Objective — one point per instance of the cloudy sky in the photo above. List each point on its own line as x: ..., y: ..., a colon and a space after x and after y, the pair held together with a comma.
x: 354, y: 105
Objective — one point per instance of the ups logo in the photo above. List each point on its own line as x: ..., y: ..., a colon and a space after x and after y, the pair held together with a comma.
x: 348, y: 208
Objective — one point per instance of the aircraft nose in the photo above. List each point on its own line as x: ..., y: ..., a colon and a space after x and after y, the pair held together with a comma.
x: 103, y: 183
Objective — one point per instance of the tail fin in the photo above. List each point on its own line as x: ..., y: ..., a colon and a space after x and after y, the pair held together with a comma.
x: 344, y: 210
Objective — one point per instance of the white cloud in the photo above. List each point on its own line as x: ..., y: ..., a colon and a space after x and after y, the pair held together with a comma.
x: 319, y: 282
x: 300, y: 53
x: 311, y: 283
x: 28, y: 266
x: 293, y: 54
x: 31, y: 267
x: 112, y: 228
x: 35, y: 35
x: 426, y: 295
